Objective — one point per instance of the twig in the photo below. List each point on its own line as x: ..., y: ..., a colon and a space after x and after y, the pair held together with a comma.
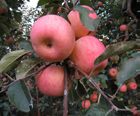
x: 94, y: 84
x: 6, y: 87
x: 67, y: 6
x: 66, y: 87
x: 76, y: 2
x: 9, y: 77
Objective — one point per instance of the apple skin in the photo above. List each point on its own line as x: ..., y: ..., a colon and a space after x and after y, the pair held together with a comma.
x: 123, y: 88
x: 79, y: 29
x: 113, y: 72
x: 52, y: 38
x: 112, y: 59
x: 3, y: 10
x: 132, y: 86
x: 10, y: 40
x: 85, y: 52
x: 4, y: 79
x: 123, y: 27
x: 85, y: 103
x: 50, y: 81
x: 134, y: 108
x: 94, y: 97
x: 100, y: 3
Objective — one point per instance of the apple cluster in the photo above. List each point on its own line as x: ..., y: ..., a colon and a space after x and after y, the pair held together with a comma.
x: 54, y: 39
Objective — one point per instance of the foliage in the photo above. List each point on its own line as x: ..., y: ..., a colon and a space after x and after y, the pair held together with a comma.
x: 20, y: 95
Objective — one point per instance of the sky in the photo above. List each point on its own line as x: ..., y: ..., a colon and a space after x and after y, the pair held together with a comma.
x: 32, y: 3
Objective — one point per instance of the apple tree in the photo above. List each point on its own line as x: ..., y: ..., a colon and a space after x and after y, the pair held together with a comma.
x: 103, y: 64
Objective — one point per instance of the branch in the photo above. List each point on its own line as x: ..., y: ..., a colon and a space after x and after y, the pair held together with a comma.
x: 69, y: 62
x: 66, y: 88
x: 67, y: 6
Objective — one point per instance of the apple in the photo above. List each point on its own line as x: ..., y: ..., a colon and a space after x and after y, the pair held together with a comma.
x: 3, y: 10
x: 59, y: 10
x: 112, y: 59
x: 52, y: 38
x: 50, y: 81
x: 96, y: 7
x: 10, y: 40
x: 85, y: 103
x: 94, y: 97
x: 100, y: 3
x: 123, y: 88
x: 79, y: 29
x: 4, y: 79
x: 134, y: 108
x: 123, y: 27
x: 113, y: 72
x: 29, y: 54
x: 132, y: 85
x: 85, y: 52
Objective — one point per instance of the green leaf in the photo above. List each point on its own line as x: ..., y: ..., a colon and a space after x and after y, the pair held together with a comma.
x: 64, y: 15
x: 88, y: 22
x: 42, y: 2
x: 17, y: 16
x: 86, y: 2
x: 3, y: 4
x: 115, y: 49
x: 26, y: 45
x: 74, y: 2
x: 10, y: 60
x: 4, y: 28
x: 26, y: 66
x: 128, y: 70
x: 19, y: 96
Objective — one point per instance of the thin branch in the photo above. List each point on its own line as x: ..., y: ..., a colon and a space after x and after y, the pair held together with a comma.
x: 9, y: 77
x: 67, y: 6
x: 66, y: 87
x: 93, y: 83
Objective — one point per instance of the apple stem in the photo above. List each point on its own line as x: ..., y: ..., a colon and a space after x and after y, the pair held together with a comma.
x: 66, y: 87
x: 69, y: 62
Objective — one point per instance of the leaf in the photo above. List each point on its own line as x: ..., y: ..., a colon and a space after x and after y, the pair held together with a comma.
x: 26, y: 45
x: 115, y: 49
x: 128, y: 70
x: 26, y: 66
x: 74, y: 2
x: 88, y: 22
x: 19, y: 96
x: 64, y: 15
x: 17, y: 16
x: 86, y: 2
x: 42, y: 2
x: 3, y: 4
x: 10, y: 60
x: 4, y: 28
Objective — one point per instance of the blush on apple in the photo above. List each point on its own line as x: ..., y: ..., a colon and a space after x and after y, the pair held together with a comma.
x: 50, y: 81
x: 123, y: 27
x: 52, y: 38
x: 85, y: 52
x: 113, y: 72
x: 3, y: 10
x: 85, y: 103
x: 123, y: 88
x: 79, y: 29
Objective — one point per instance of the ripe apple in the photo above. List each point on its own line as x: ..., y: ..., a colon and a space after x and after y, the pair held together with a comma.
x: 50, y: 81
x: 85, y: 103
x: 112, y: 59
x: 123, y: 88
x: 134, y: 108
x: 4, y: 79
x: 29, y: 54
x: 93, y: 97
x: 113, y: 72
x: 100, y: 3
x: 52, y: 38
x: 10, y: 40
x: 85, y: 52
x: 132, y: 85
x: 79, y: 29
x: 3, y: 10
x: 123, y: 27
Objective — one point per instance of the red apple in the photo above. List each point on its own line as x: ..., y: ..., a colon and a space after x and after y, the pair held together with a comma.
x: 134, y: 108
x: 79, y: 29
x: 50, y: 81
x: 3, y: 10
x: 94, y: 97
x: 132, y: 85
x: 123, y: 27
x: 113, y: 72
x: 123, y: 88
x: 52, y: 38
x: 10, y: 40
x: 112, y: 59
x: 85, y: 52
x: 4, y: 79
x: 85, y: 103
x: 29, y: 54
x: 100, y: 3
